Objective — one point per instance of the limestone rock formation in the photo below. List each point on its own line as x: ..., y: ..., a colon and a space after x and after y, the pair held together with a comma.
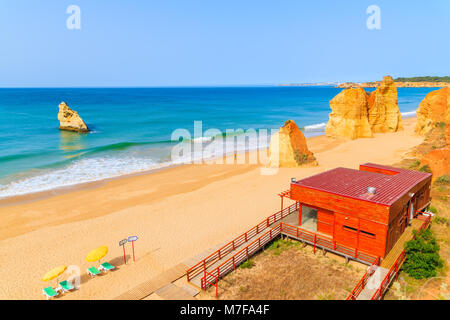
x: 357, y: 114
x: 384, y: 115
x: 70, y: 120
x: 439, y: 161
x: 433, y: 109
x: 348, y: 117
x: 288, y: 147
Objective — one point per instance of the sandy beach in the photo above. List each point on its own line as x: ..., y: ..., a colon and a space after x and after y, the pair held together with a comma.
x: 176, y: 213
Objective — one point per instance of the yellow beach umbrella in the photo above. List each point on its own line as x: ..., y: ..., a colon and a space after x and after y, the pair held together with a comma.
x: 97, y: 254
x: 54, y: 273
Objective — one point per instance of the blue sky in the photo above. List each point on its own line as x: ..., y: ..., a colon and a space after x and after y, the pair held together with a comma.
x: 209, y: 42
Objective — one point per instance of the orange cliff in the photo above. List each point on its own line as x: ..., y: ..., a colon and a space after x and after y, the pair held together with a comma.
x: 433, y: 110
x: 288, y: 147
x: 357, y: 114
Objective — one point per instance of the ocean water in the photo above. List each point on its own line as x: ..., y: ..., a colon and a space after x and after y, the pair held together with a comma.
x: 132, y: 127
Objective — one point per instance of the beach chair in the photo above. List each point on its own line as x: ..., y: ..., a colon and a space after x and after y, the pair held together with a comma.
x: 50, y: 292
x: 66, y: 286
x: 106, y: 266
x: 93, y: 271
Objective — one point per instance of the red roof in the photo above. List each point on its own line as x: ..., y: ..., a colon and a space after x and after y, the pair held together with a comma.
x: 353, y: 183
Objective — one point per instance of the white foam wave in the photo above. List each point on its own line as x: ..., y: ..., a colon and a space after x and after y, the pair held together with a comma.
x: 80, y: 171
x: 95, y: 169
x: 408, y: 114
x: 316, y: 127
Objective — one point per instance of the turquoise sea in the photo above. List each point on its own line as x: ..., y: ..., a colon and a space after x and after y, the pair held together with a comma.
x: 132, y: 127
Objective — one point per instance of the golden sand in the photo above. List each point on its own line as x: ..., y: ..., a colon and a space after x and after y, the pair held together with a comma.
x: 177, y: 213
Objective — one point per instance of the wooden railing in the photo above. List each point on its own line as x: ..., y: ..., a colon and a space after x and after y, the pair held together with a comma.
x: 327, y: 243
x: 301, y: 234
x: 363, y: 282
x: 393, y: 271
x: 205, y: 282
x: 201, y: 266
x: 241, y: 256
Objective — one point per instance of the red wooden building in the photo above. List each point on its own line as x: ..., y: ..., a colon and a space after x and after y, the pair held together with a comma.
x: 366, y: 209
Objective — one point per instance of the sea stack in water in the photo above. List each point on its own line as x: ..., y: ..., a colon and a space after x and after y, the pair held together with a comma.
x: 348, y: 117
x: 384, y: 115
x: 432, y: 110
x: 70, y: 120
x: 358, y: 114
x: 288, y: 148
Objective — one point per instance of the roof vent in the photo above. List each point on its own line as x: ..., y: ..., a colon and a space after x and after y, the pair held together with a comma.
x: 371, y: 190
x: 293, y: 180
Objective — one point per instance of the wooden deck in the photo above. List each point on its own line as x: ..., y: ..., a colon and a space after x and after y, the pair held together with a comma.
x: 173, y: 292
x: 399, y: 246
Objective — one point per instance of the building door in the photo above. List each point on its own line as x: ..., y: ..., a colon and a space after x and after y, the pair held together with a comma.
x: 309, y: 218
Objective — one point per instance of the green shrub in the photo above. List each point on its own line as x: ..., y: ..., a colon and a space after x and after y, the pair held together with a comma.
x: 433, y: 209
x: 415, y: 164
x: 445, y: 179
x: 440, y: 220
x: 300, y: 158
x: 425, y: 168
x: 422, y: 255
x: 247, y: 264
x: 440, y: 124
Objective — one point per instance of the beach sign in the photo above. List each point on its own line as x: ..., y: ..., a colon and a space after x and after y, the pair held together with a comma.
x: 132, y: 239
x: 122, y: 243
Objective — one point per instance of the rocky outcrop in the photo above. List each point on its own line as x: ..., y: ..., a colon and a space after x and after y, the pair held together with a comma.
x: 358, y: 114
x: 70, y: 120
x: 288, y: 147
x: 432, y: 110
x: 348, y: 117
x: 383, y: 112
x: 439, y: 161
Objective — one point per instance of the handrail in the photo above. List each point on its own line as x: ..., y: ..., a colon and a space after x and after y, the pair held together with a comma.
x: 396, y: 266
x: 362, y: 283
x: 216, y: 284
x: 243, y: 238
x: 234, y: 261
x: 326, y: 243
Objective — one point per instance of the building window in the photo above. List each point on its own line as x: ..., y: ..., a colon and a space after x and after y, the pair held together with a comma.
x: 350, y: 229
x: 368, y: 234
x: 365, y: 233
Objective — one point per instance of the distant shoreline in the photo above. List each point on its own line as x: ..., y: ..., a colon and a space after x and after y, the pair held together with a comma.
x: 344, y: 85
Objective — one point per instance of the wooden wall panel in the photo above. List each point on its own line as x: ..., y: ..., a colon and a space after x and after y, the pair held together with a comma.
x: 336, y: 203
x: 325, y: 219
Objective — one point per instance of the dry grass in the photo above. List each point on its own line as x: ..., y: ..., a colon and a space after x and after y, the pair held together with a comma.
x: 288, y: 271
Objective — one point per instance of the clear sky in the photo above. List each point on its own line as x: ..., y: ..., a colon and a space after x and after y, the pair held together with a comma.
x: 212, y: 42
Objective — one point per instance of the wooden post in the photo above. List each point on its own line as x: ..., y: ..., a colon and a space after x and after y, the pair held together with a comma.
x: 315, y: 237
x: 246, y: 249
x: 234, y: 264
x: 281, y: 205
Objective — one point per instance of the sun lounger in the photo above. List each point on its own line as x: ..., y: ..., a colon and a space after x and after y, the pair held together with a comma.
x: 93, y: 271
x: 106, y: 266
x: 50, y: 292
x: 66, y: 286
